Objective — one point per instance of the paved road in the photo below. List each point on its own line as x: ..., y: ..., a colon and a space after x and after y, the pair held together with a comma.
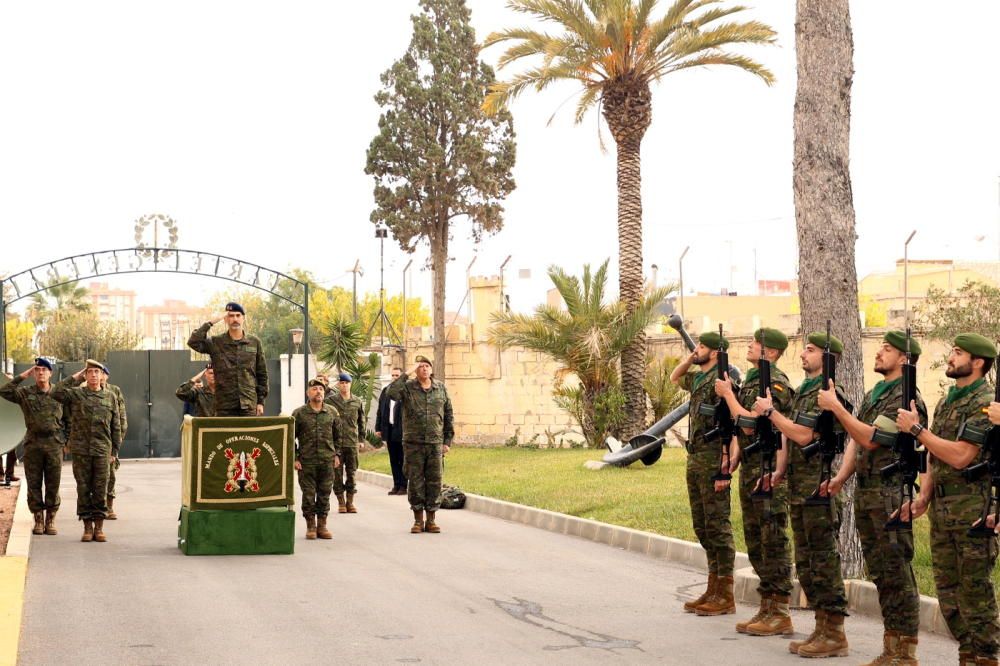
x: 485, y: 591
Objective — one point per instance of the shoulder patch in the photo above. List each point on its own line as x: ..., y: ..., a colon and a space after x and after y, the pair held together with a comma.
x: 778, y: 387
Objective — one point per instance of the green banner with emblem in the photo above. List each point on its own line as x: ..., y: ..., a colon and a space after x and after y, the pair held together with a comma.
x: 237, y: 462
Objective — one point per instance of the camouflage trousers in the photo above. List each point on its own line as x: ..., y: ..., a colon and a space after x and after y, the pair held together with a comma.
x: 113, y: 466
x: 710, y: 513
x: 817, y: 560
x: 343, y: 476
x: 888, y: 556
x: 765, y: 529
x: 42, y: 464
x: 423, y: 464
x: 91, y: 473
x: 236, y: 411
x: 316, y: 482
x: 962, y: 574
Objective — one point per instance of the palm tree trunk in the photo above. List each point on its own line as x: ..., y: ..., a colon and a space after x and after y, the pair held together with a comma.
x: 824, y: 205
x: 439, y: 266
x: 630, y: 282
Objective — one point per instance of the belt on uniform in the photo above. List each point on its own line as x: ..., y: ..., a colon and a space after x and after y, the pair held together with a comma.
x: 953, y: 489
x: 868, y: 482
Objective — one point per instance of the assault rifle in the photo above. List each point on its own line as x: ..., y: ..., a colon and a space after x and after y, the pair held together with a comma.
x: 766, y: 439
x: 909, y: 458
x: 990, y: 466
x: 723, y: 427
x: 830, y: 443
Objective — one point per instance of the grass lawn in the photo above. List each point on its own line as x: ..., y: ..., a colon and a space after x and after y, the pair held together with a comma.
x: 653, y: 499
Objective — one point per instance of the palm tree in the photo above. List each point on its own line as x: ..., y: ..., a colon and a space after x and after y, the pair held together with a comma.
x: 68, y: 298
x: 586, y: 339
x: 614, y: 50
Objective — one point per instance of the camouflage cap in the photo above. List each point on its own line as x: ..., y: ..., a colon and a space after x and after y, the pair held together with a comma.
x: 819, y: 339
x: 316, y: 381
x: 91, y: 363
x: 976, y: 344
x: 898, y: 340
x: 773, y: 338
x: 424, y: 359
x: 711, y: 339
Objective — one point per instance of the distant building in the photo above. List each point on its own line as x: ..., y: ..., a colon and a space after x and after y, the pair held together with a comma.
x: 168, y: 326
x: 115, y: 305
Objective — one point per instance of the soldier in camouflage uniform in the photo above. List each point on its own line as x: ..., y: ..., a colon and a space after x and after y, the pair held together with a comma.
x: 115, y: 463
x: 95, y: 437
x: 765, y: 521
x: 962, y: 564
x: 351, y: 431
x: 428, y: 430
x: 710, y: 506
x: 888, y: 553
x: 46, y: 426
x: 201, y: 395
x: 317, y: 426
x: 238, y: 361
x: 815, y: 528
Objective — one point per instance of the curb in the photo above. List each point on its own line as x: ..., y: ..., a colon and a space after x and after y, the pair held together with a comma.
x: 862, y: 596
x: 13, y: 572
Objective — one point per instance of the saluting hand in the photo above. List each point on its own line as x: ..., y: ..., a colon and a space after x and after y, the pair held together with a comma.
x: 260, y: 410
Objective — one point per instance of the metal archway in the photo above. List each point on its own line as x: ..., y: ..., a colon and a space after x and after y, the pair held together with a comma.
x: 153, y: 260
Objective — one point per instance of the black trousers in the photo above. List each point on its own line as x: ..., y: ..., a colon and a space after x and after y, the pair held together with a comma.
x: 12, y: 457
x: 396, y: 461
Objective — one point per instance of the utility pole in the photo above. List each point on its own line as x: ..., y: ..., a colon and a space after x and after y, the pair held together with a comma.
x: 680, y: 275
x: 354, y: 289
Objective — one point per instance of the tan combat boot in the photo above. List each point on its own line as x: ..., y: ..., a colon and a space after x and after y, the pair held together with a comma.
x: 321, y: 531
x: 111, y: 510
x: 341, y: 504
x: 986, y: 661
x: 430, y: 525
x: 39, y: 527
x: 50, y: 523
x: 88, y: 531
x: 722, y: 602
x: 765, y: 605
x: 689, y: 606
x: 776, y: 622
x: 794, y: 646
x: 831, y: 640
x: 350, y: 504
x: 906, y: 652
x: 418, y: 522
x: 890, y: 649
x: 966, y: 659
x: 99, y: 531
x: 310, y: 527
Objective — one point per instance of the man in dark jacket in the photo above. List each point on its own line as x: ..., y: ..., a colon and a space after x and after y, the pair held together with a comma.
x: 389, y: 428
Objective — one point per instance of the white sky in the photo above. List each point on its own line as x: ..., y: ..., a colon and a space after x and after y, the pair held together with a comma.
x: 248, y: 123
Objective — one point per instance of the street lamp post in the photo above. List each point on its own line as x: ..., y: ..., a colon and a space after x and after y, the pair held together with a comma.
x: 294, y: 340
x: 680, y: 275
x: 906, y: 278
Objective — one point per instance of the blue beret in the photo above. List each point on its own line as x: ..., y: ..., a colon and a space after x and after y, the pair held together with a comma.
x: 43, y: 362
x: 235, y: 307
x: 106, y: 371
x: 344, y: 377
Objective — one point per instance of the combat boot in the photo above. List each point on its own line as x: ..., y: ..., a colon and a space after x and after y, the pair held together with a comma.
x: 689, y: 606
x: 986, y: 661
x: 776, y: 622
x: 794, y: 646
x: 765, y: 605
x: 99, y: 531
x: 310, y: 527
x: 341, y: 504
x: 966, y: 659
x: 831, y: 640
x: 39, y: 527
x: 722, y: 602
x: 350, y: 504
x: 430, y: 525
x: 50, y: 523
x: 890, y: 649
x: 418, y: 522
x: 321, y: 531
x: 111, y: 510
x: 88, y: 531
x: 906, y: 652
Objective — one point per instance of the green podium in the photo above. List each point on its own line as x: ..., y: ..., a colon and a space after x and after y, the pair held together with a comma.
x: 237, y: 486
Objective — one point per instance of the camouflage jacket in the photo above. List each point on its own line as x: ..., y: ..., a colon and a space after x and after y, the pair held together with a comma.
x: 352, y: 420
x: 781, y: 397
x: 94, y: 422
x: 803, y: 476
x: 968, y: 410
x: 316, y: 433
x: 120, y: 397
x: 44, y: 417
x: 888, y: 404
x: 427, y: 414
x: 240, y: 368
x: 202, y: 399
x: 701, y: 386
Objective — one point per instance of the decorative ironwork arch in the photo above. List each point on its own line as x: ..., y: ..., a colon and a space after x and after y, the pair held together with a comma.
x: 144, y: 259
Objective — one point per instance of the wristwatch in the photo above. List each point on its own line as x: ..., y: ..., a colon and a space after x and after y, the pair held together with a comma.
x: 767, y: 412
x: 916, y: 429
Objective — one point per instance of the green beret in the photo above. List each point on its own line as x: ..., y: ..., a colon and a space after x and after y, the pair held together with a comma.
x: 819, y: 339
x: 976, y: 345
x: 711, y: 339
x: 773, y: 338
x: 424, y: 359
x: 898, y: 340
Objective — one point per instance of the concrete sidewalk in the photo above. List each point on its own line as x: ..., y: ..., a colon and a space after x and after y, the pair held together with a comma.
x: 485, y: 591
